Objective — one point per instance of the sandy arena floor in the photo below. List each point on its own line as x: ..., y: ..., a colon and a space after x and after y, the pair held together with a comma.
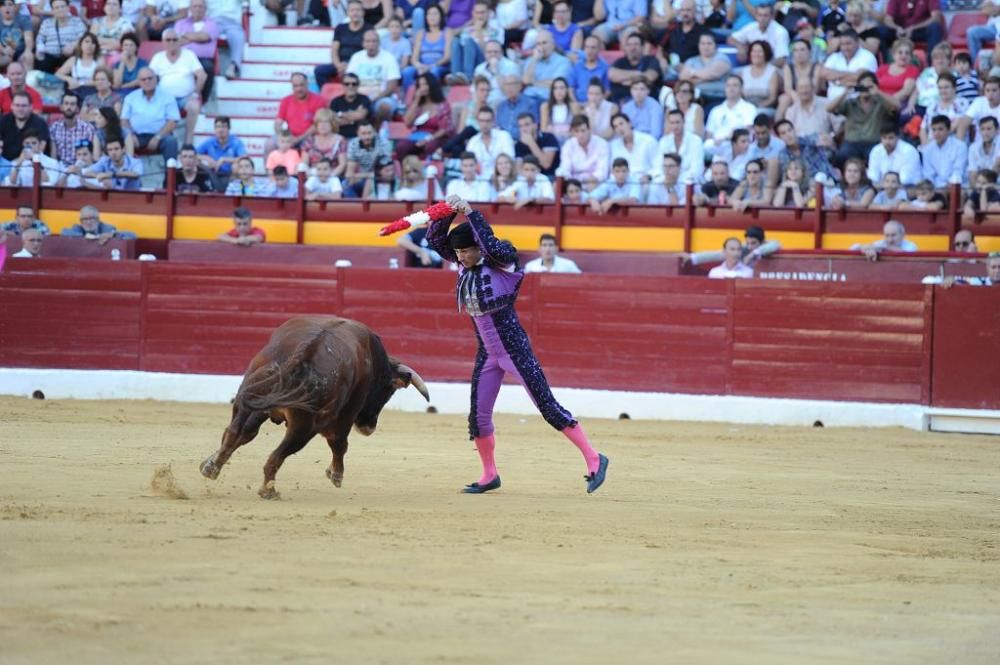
x: 708, y: 544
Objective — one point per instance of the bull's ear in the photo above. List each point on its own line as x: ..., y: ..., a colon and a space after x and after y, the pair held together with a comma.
x: 400, y: 381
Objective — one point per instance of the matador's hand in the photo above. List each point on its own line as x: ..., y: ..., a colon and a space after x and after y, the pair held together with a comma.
x: 458, y: 204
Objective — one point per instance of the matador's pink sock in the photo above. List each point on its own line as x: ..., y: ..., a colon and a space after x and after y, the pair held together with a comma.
x: 485, y: 445
x: 576, y: 434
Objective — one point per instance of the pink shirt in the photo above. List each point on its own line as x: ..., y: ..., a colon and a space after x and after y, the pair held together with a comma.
x: 204, y: 50
x: 592, y: 162
x: 290, y: 160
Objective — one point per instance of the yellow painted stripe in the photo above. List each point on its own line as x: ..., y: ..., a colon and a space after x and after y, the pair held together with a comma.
x: 988, y: 243
x: 208, y: 228
x: 622, y: 239
x: 845, y: 240
x: 710, y: 240
x: 144, y: 226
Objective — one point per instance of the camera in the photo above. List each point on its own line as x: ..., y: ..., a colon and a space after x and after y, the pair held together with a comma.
x: 861, y: 88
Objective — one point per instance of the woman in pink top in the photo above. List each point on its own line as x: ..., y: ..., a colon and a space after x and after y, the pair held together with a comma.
x: 899, y: 79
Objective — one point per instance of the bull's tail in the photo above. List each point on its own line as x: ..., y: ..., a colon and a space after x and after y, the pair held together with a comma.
x: 295, y: 384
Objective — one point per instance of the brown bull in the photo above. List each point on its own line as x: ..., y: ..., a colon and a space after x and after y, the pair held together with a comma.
x: 318, y: 376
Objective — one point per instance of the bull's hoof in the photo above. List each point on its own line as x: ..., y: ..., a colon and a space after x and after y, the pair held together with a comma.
x: 210, y: 469
x: 268, y: 492
x: 336, y: 478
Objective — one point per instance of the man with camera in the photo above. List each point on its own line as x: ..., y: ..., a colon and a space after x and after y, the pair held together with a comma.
x: 865, y: 109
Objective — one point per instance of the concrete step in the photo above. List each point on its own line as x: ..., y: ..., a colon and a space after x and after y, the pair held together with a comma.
x: 274, y: 71
x: 283, y: 36
x: 310, y: 55
x: 252, y: 89
x: 247, y: 108
x: 239, y: 126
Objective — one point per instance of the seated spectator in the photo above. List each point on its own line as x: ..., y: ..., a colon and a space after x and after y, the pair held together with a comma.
x: 14, y: 126
x: 899, y: 79
x: 350, y: 108
x: 868, y: 27
x: 947, y: 105
x: 243, y: 233
x: 584, y: 157
x: 416, y: 243
x: 160, y: 16
x: 347, y: 40
x: 708, y: 70
x: 925, y: 198
x: 126, y: 72
x: 735, y: 152
x: 22, y: 171
x: 671, y: 191
x: 987, y: 105
x: 645, y: 114
x: 191, y: 179
x: 362, y: 153
x: 284, y: 155
x: 856, y: 191
x: 795, y: 188
x: 91, y: 227
x: 297, y: 111
x: 719, y: 189
x: 681, y: 38
x: 67, y: 132
x: 468, y: 123
x: 544, y: 67
x: 469, y: 42
x: 109, y: 30
x: 753, y: 192
x: 106, y: 124
x: 78, y: 70
x: 117, y: 170
x: 548, y: 258
x: 732, y: 266
x: 513, y: 104
x: 920, y: 21
x: 944, y: 157
x: 323, y: 185
x: 495, y: 69
x: 983, y: 197
x: 531, y: 187
x: 31, y: 245
x: 677, y: 139
x: 984, y: 153
x: 470, y: 187
x: 378, y: 74
x: 865, y: 115
x: 766, y: 29
x: 228, y: 16
x: 927, y: 90
x: 893, y: 155
x: 765, y: 144
x: 760, y: 78
x: 755, y: 247
x: 639, y: 149
x: 220, y: 152
x: 382, y: 185
x: 57, y: 37
x: 619, y: 190
x: 504, y: 175
x: 574, y: 193
x: 966, y: 79
x: 734, y: 113
x: 892, y: 195
x: 557, y: 111
x: 964, y: 242
x: 325, y: 142
x: 199, y: 34
x: 567, y: 34
x: 693, y: 114
x: 631, y: 67
x: 24, y: 219
x: 432, y: 49
x: 72, y: 176
x: 893, y: 240
x: 103, y: 96
x: 801, y: 66
x: 245, y: 183
x: 429, y: 117
x: 620, y: 19
x: 17, y: 39
x: 543, y: 146
x: 182, y: 76
x: 992, y: 277
x: 414, y: 182
x: 589, y: 67
x: 807, y: 112
x: 15, y: 76
x: 152, y: 114
x: 490, y: 142
x: 843, y: 69
x: 395, y: 43
x: 283, y: 184
x: 812, y: 153
x: 598, y: 112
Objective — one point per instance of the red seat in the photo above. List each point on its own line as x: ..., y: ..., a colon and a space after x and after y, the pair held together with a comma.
x: 610, y: 56
x: 459, y: 94
x: 398, y: 130
x: 331, y: 90
x: 959, y: 27
x: 921, y: 56
x: 148, y: 49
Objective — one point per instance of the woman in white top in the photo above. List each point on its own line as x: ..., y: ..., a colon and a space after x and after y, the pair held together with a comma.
x: 760, y: 78
x: 947, y: 104
x: 558, y: 109
x: 599, y: 111
x: 694, y: 114
x: 109, y: 30
x: 78, y: 71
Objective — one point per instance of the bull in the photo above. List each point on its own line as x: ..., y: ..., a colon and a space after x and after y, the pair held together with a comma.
x: 317, y: 376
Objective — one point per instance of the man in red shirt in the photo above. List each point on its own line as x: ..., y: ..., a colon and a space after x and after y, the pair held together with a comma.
x: 15, y: 72
x: 243, y: 232
x: 918, y: 20
x: 297, y: 110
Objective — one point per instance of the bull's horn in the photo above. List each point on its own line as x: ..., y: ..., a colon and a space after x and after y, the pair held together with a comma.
x: 415, y: 379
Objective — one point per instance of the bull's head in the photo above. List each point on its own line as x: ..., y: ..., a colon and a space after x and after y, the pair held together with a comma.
x: 400, y: 377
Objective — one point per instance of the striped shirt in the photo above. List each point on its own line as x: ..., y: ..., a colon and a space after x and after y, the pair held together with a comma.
x: 65, y: 138
x: 53, y: 37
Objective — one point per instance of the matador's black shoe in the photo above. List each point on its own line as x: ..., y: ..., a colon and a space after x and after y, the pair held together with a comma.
x: 476, y: 488
x: 596, y: 479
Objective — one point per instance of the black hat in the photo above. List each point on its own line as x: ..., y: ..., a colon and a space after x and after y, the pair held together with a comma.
x: 754, y: 232
x: 461, y: 237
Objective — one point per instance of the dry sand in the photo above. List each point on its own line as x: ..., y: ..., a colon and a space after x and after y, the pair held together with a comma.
x: 709, y: 543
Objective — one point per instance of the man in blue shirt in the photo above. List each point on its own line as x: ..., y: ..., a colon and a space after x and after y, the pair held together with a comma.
x: 514, y: 104
x: 117, y: 170
x: 944, y: 156
x: 616, y: 191
x: 590, y: 67
x: 645, y: 114
x: 92, y: 228
x: 283, y: 186
x: 152, y: 114
x: 220, y: 152
x: 544, y: 67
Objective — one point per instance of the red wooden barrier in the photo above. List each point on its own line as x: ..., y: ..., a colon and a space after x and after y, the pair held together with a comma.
x: 966, y: 348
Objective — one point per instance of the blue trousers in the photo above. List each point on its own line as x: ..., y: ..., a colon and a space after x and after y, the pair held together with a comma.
x: 465, y: 55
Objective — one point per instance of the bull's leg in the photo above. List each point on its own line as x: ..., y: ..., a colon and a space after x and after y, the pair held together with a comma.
x: 242, y: 429
x: 338, y: 444
x: 297, y: 435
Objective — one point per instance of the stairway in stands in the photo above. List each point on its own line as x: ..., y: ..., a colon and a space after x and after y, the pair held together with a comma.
x: 272, y: 55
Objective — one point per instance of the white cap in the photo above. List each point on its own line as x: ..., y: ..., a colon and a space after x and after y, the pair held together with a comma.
x: 147, y: 257
x: 342, y: 263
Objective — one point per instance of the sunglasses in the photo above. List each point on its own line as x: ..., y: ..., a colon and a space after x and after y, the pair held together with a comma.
x: 170, y: 39
x: 963, y: 243
x: 350, y: 84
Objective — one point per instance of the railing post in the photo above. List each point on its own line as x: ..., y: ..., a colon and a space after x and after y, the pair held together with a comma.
x: 300, y: 205
x: 36, y: 185
x: 819, y: 221
x: 560, y: 211
x: 688, y: 214
x: 430, y: 189
x: 954, y: 215
x: 171, y: 197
